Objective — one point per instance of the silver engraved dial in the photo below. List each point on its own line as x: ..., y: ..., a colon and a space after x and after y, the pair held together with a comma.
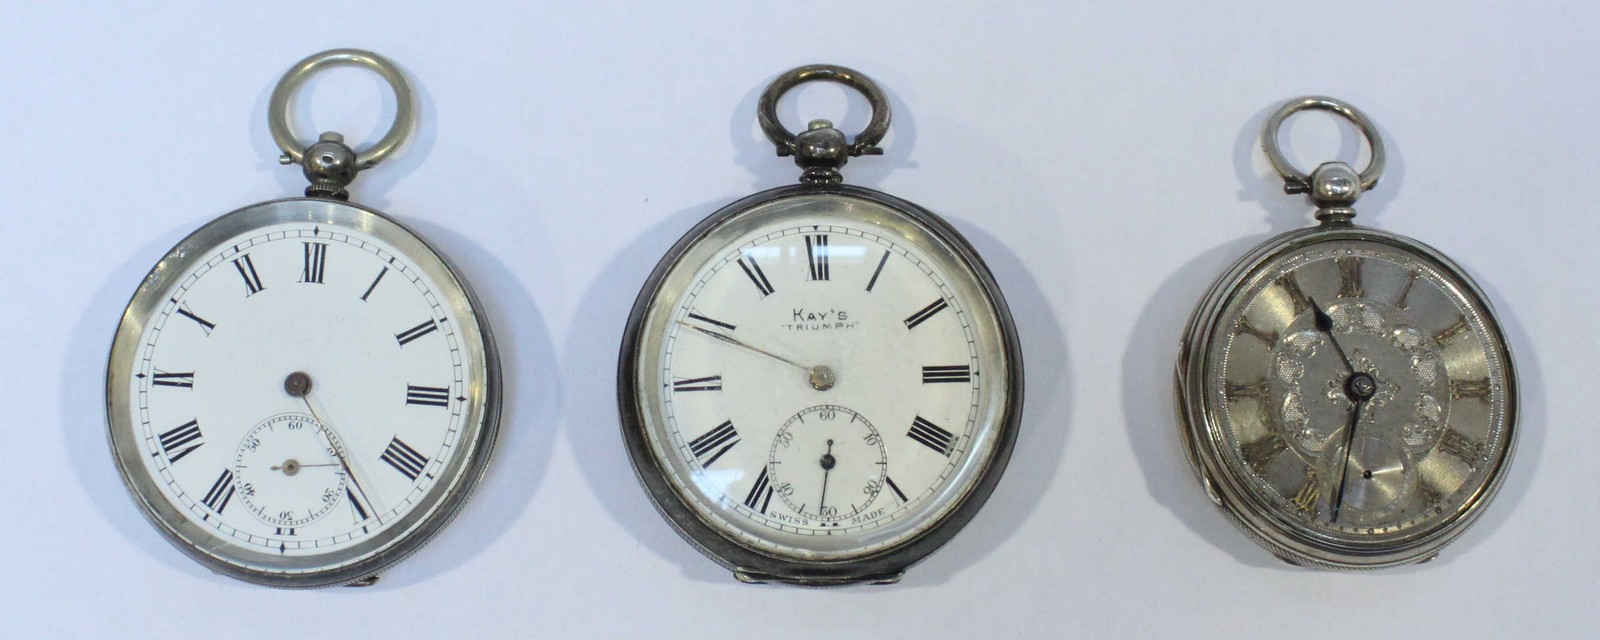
x: 1357, y: 393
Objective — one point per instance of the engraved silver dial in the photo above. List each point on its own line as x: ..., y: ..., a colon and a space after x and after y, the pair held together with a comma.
x: 1356, y: 393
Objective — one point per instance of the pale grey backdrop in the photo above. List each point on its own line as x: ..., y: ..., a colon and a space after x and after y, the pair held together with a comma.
x: 1103, y: 157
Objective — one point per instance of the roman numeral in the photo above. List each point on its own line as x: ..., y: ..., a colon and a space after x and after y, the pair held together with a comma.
x: 361, y: 512
x: 185, y: 380
x: 186, y: 436
x: 1459, y: 445
x: 183, y: 310
x: 1291, y: 287
x: 715, y: 442
x: 1451, y: 332
x: 1406, y: 292
x: 708, y: 383
x: 1245, y: 328
x: 285, y: 531
x: 748, y: 264
x: 1262, y: 450
x: 1234, y: 390
x: 221, y: 491
x: 1350, y: 277
x: 1479, y: 388
x: 932, y: 435
x: 1306, y: 497
x: 895, y: 488
x: 374, y: 284
x: 926, y: 312
x: 760, y: 494
x: 316, y: 259
x: 710, y: 321
x: 427, y: 396
x: 404, y: 459
x: 405, y: 337
x: 957, y: 373
x: 881, y: 261
x: 817, y: 248
x: 247, y: 270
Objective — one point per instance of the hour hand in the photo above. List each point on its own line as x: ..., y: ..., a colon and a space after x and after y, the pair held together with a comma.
x: 821, y: 377
x: 1325, y: 325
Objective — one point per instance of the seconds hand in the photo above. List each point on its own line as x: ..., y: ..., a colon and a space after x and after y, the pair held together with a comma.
x: 827, y: 465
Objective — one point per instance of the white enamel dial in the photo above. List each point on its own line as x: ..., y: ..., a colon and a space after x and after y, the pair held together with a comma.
x: 304, y: 396
x: 821, y: 378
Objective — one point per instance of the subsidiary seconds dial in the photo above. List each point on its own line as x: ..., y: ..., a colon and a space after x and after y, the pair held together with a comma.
x: 827, y: 447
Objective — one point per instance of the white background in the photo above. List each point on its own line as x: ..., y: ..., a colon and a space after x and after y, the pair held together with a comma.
x: 1102, y: 157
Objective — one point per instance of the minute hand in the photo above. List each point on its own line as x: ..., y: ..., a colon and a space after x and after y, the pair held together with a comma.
x: 821, y: 377
x: 338, y: 452
x: 737, y: 343
x: 1325, y: 325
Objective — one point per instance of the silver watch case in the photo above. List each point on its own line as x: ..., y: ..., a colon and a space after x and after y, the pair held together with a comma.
x: 1197, y: 417
x: 416, y: 527
x: 754, y: 566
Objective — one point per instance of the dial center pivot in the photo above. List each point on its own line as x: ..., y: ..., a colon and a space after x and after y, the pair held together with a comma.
x: 822, y: 378
x: 297, y: 384
x: 1361, y: 386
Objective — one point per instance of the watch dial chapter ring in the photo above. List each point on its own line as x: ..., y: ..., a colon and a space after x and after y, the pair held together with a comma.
x: 1201, y: 425
x: 754, y: 565
x: 480, y: 424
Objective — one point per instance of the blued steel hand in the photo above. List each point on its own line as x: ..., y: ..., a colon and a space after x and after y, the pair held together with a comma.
x: 827, y: 465
x: 1359, y: 388
x: 1325, y: 325
x: 1344, y: 473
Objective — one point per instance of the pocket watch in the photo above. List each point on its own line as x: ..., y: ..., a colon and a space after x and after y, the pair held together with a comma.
x: 302, y: 392
x: 1346, y: 395
x: 820, y: 383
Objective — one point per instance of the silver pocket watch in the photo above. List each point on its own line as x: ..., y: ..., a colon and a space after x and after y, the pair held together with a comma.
x: 1345, y: 393
x: 820, y: 383
x: 302, y: 392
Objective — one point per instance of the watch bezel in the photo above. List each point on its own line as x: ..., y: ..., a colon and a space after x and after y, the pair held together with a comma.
x: 1200, y: 426
x: 754, y: 565
x: 480, y: 422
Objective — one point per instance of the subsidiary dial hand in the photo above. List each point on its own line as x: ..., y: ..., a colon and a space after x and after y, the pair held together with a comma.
x: 298, y: 384
x: 827, y: 465
x: 820, y: 377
